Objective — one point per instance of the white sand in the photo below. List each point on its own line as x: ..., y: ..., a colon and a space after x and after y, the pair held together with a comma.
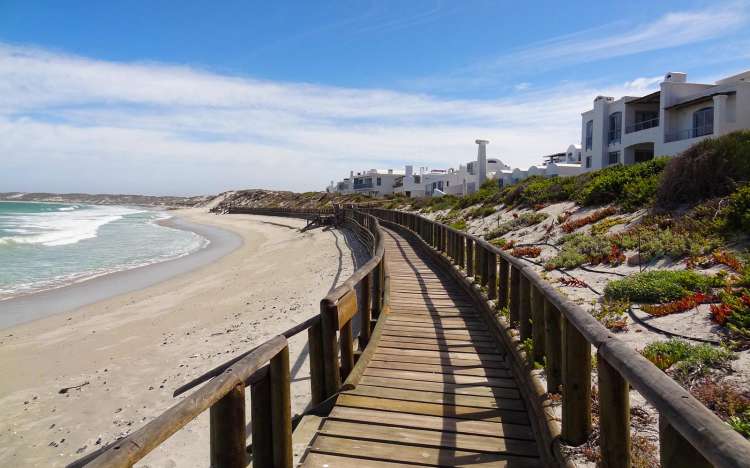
x: 136, y: 348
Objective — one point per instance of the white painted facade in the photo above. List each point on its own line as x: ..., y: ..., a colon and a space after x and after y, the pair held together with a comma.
x: 665, y: 123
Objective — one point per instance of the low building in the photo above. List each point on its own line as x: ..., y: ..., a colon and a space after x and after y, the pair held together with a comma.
x: 664, y: 123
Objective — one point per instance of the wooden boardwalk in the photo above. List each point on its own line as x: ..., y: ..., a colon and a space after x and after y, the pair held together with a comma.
x: 437, y: 391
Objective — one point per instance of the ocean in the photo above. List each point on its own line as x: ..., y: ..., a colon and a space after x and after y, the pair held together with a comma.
x: 49, y: 245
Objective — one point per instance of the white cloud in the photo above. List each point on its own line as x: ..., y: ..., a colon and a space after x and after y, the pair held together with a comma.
x: 70, y: 123
x: 607, y: 41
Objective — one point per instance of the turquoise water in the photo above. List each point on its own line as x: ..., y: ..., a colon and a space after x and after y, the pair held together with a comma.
x: 48, y: 245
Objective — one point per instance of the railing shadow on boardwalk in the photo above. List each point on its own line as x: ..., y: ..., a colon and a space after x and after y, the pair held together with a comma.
x: 449, y: 432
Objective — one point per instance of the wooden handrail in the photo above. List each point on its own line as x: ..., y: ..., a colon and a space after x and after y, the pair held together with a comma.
x: 690, y: 434
x: 265, y: 369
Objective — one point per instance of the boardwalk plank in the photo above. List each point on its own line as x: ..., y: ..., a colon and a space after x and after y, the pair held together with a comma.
x: 429, y: 438
x: 423, y: 455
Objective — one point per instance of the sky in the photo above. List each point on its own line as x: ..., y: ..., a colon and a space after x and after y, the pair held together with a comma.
x: 187, y: 98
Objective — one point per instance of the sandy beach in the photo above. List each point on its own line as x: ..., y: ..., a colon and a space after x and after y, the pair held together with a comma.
x: 130, y: 351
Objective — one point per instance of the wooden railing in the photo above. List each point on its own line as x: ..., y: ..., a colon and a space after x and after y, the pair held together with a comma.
x: 265, y: 370
x: 562, y: 334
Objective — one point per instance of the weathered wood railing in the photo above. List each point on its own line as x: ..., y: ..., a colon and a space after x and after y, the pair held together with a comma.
x: 563, y: 333
x: 265, y: 370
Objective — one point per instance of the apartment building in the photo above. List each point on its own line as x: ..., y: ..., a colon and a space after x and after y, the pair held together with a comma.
x: 664, y: 123
x: 372, y: 182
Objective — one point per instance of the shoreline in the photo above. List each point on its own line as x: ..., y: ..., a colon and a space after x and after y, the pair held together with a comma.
x: 42, y: 304
x: 123, y: 356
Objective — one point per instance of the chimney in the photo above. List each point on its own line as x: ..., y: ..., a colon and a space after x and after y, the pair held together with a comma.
x: 390, y: 171
x: 481, y: 161
x: 409, y: 170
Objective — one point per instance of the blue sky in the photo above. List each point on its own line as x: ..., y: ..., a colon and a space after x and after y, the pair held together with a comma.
x: 199, y: 97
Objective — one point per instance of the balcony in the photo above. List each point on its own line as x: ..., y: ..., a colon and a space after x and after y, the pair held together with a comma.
x: 363, y: 185
x: 638, y: 126
x: 688, y: 133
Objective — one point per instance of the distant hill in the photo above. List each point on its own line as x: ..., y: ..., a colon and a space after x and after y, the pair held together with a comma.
x: 108, y: 199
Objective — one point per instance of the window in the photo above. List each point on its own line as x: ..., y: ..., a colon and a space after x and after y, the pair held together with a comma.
x: 588, y: 161
x: 417, y: 179
x: 615, y: 128
x: 589, y: 135
x: 378, y: 181
x: 447, y: 183
x: 643, y: 155
x: 614, y: 157
x: 703, y: 122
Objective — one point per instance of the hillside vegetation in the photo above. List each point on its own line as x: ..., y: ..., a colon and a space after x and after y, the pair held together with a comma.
x: 283, y: 199
x: 667, y: 237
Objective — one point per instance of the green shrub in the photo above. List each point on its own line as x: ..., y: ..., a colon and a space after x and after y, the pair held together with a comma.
x: 523, y: 220
x: 580, y: 248
x: 714, y: 167
x: 631, y: 186
x: 687, y: 362
x: 486, y: 194
x: 460, y: 225
x: 612, y: 314
x: 538, y: 190
x: 676, y: 239
x: 659, y: 286
x: 603, y: 226
x: 737, y: 213
x: 481, y: 212
x: 741, y: 424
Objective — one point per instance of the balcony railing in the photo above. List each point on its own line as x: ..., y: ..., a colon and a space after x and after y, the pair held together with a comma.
x: 364, y: 185
x: 638, y: 126
x: 687, y: 133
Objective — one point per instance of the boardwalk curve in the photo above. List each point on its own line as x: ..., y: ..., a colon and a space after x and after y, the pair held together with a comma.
x: 436, y: 391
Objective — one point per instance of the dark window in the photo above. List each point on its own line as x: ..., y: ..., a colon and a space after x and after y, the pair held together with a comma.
x: 614, y: 157
x: 588, y: 161
x: 589, y: 135
x: 417, y: 179
x: 379, y: 181
x: 703, y: 122
x: 643, y: 155
x: 615, y: 128
x: 447, y: 183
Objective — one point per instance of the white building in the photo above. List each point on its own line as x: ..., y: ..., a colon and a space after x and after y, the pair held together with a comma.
x: 373, y: 182
x: 664, y: 123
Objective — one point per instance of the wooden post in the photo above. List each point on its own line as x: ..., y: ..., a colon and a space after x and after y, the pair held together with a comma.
x: 675, y: 451
x: 346, y: 340
x: 281, y: 409
x: 260, y: 422
x: 469, y: 257
x: 502, y: 296
x: 365, y: 319
x: 481, y: 260
x: 461, y: 251
x: 328, y: 319
x: 524, y: 309
x: 515, y: 296
x: 576, y: 373
x: 478, y: 263
x: 228, y: 438
x: 491, y: 275
x: 317, y: 373
x: 614, y: 416
x: 537, y: 323
x: 377, y: 290
x: 552, y: 347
